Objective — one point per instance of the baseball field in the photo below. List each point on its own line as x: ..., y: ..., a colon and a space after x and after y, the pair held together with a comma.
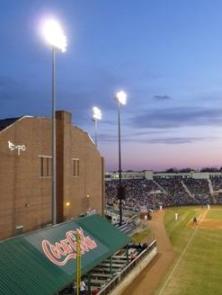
x: 197, y: 268
x: 189, y: 260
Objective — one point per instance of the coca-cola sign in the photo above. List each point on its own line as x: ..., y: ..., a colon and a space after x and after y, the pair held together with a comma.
x: 62, y: 251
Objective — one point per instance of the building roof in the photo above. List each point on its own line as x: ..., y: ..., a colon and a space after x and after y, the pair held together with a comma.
x: 44, y: 262
x: 6, y: 122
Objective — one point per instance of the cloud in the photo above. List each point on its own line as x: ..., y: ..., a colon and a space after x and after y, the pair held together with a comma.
x: 175, y: 140
x: 140, y: 138
x: 137, y: 136
x: 162, y: 97
x: 177, y: 117
x: 107, y: 138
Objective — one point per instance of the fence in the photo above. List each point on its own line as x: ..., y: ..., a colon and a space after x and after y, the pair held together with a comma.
x: 119, y: 277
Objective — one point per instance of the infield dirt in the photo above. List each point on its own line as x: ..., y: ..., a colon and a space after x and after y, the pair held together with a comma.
x: 208, y: 223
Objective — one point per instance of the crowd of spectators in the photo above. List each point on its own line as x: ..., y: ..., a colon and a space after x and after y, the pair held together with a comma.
x: 138, y: 193
x: 216, y: 183
x: 217, y: 188
x: 175, y: 191
x: 199, y: 188
x: 168, y: 191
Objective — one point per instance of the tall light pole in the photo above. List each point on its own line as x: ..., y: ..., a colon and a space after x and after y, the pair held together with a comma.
x: 55, y: 37
x: 121, y: 98
x: 96, y: 115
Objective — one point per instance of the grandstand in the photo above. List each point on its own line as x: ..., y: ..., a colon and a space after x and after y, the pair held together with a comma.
x: 167, y: 190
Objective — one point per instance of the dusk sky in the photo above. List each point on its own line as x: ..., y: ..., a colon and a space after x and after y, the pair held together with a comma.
x: 167, y: 55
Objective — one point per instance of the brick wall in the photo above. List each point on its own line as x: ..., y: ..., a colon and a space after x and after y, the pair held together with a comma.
x: 25, y: 195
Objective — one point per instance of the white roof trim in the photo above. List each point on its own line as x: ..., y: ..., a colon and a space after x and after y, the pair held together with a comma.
x: 23, y: 117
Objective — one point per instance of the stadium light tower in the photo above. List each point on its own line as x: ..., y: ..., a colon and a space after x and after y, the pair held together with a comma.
x: 96, y: 115
x: 121, y: 98
x: 54, y: 36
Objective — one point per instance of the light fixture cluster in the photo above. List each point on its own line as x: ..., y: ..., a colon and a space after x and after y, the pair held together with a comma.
x: 97, y: 113
x: 121, y: 97
x: 53, y: 34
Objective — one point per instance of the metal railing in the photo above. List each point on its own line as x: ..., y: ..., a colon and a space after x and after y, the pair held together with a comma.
x: 119, y: 277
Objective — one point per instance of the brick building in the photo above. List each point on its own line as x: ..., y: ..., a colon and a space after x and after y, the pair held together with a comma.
x: 25, y: 173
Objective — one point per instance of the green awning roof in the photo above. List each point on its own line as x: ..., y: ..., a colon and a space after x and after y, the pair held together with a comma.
x: 42, y: 262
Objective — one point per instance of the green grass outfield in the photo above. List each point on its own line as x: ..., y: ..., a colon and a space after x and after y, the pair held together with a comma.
x: 198, y: 267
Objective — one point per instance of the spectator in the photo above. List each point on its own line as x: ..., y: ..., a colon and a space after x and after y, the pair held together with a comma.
x: 82, y: 288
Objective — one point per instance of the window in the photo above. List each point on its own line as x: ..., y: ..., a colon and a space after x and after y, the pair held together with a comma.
x: 75, y: 167
x: 45, y: 166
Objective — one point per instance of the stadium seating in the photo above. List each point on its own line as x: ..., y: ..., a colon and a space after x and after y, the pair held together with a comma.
x: 168, y: 191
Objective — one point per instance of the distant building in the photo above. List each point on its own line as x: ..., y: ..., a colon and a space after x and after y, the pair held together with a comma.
x: 149, y: 174
x: 125, y: 175
x: 25, y: 173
